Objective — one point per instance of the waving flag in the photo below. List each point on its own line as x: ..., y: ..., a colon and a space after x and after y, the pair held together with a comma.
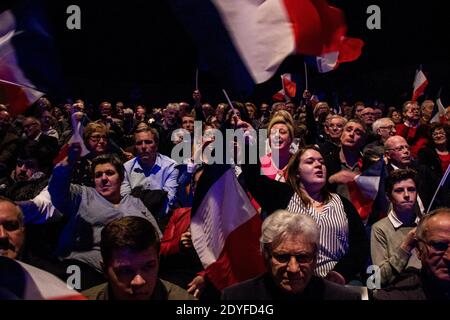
x: 289, y: 88
x: 28, y: 67
x: 243, y: 42
x: 348, y: 50
x: 367, y: 191
x: 225, y: 228
x: 420, y: 83
x: 22, y: 281
x: 438, y: 114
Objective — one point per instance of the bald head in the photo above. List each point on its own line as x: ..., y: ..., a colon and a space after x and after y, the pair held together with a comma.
x: 398, y: 151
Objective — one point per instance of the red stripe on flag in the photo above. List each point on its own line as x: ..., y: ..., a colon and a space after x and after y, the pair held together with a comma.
x: 241, y: 257
x: 419, y: 91
x: 359, y: 201
x: 318, y: 27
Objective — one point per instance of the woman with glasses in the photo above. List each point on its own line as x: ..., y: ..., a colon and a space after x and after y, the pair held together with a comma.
x: 343, y: 245
x: 95, y: 137
x: 436, y: 154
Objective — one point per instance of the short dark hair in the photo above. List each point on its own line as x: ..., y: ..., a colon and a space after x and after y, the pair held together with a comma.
x: 396, y: 176
x: 151, y: 130
x: 132, y: 232
x: 109, y: 158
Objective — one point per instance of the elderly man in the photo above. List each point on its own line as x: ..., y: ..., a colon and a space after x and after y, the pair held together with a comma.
x: 432, y: 282
x: 398, y: 155
x: 415, y: 133
x: 130, y: 253
x: 289, y: 243
x: 383, y: 128
x: 12, y: 230
x: 152, y: 172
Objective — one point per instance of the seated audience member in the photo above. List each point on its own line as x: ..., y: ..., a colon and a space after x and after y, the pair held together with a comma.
x: 416, y: 134
x: 398, y: 155
x: 151, y: 172
x: 90, y: 209
x: 290, y: 244
x: 12, y: 229
x: 8, y: 144
x: 130, y: 260
x: 383, y: 128
x: 393, y: 238
x: 432, y: 282
x: 436, y: 155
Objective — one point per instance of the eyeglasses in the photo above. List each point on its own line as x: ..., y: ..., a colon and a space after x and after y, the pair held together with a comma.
x: 438, y: 247
x: 438, y: 133
x: 401, y: 148
x: 97, y: 138
x: 388, y: 127
x: 301, y: 258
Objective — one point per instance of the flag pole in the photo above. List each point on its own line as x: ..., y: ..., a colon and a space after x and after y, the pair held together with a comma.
x: 196, y: 79
x: 306, y: 76
x: 229, y: 101
x: 444, y: 178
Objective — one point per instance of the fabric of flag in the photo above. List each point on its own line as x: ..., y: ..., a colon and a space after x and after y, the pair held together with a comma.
x: 279, y: 96
x: 225, y: 228
x: 349, y: 50
x: 28, y: 63
x: 367, y: 190
x: 15, y: 89
x: 243, y: 42
x: 25, y: 282
x: 289, y: 86
x: 438, y: 114
x: 419, y: 85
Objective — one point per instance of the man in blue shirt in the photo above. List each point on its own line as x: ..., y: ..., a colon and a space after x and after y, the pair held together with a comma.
x: 151, y: 172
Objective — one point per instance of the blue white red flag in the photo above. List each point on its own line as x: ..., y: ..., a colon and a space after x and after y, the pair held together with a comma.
x: 225, y: 228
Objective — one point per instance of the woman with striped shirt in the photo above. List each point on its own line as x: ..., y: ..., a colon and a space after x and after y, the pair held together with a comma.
x: 344, y: 247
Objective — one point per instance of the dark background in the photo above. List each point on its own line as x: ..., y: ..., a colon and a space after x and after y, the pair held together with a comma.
x: 137, y: 52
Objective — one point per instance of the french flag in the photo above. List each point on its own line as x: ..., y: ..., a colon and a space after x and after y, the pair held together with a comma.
x: 289, y: 88
x: 25, y: 282
x: 367, y: 191
x: 28, y: 67
x: 349, y: 49
x: 438, y: 114
x: 225, y: 228
x: 419, y: 85
x: 243, y: 42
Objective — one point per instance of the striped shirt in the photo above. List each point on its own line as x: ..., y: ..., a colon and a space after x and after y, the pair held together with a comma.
x: 333, y: 225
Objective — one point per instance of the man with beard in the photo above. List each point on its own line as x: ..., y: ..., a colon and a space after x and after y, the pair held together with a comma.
x: 151, y: 175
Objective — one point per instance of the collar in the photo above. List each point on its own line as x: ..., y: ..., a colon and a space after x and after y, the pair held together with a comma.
x: 396, y: 221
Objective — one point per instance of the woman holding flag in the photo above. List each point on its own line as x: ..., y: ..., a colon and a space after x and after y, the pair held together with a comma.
x: 344, y: 246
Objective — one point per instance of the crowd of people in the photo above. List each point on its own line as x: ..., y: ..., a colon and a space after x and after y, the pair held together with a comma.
x: 99, y: 188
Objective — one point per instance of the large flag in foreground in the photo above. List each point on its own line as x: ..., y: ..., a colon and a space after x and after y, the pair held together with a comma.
x: 28, y: 65
x: 225, y: 228
x: 419, y: 85
x: 367, y: 191
x: 19, y: 280
x: 243, y: 42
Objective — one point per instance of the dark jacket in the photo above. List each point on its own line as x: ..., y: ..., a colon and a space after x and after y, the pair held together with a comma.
x: 264, y: 288
x: 164, y: 290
